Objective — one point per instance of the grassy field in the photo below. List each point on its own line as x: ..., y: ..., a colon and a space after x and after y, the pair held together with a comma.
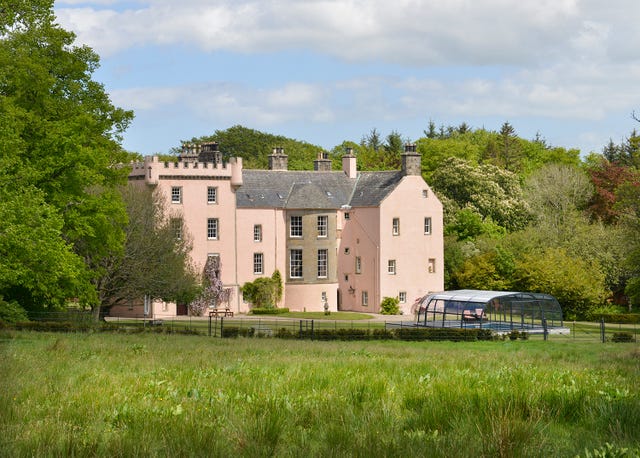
x: 172, y: 395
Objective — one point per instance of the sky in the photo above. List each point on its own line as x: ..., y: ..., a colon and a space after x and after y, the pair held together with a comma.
x: 325, y: 71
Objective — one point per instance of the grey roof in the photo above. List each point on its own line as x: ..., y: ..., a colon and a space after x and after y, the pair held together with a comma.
x: 481, y: 296
x: 311, y: 190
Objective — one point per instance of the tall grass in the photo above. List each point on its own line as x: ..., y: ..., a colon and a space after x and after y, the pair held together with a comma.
x: 158, y: 395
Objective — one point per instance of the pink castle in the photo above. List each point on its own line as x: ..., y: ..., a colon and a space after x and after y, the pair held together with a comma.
x: 343, y: 239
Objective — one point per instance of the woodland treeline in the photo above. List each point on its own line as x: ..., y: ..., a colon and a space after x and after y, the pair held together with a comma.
x: 519, y: 214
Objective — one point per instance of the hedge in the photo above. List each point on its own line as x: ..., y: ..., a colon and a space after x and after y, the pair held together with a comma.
x: 270, y: 311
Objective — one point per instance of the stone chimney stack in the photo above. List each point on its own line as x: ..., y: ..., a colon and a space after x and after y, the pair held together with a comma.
x: 411, y: 160
x: 349, y: 164
x: 278, y: 160
x: 210, y: 152
x: 322, y: 163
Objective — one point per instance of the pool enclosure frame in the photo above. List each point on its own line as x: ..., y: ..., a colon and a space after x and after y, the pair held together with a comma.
x: 500, y: 311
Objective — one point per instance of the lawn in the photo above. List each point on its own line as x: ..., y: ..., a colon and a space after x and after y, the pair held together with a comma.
x: 173, y: 395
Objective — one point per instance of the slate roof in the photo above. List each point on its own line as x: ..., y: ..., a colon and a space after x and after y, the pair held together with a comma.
x: 313, y: 190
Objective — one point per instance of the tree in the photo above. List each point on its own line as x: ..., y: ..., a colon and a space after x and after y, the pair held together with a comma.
x: 505, y: 151
x: 264, y: 292
x: 59, y: 150
x: 492, y: 193
x: 155, y: 261
x: 579, y: 285
x: 558, y: 194
x: 607, y: 177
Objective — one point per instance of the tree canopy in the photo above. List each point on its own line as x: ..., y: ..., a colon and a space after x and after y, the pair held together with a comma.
x: 59, y: 149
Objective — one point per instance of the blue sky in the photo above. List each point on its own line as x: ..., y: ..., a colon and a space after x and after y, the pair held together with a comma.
x: 325, y: 71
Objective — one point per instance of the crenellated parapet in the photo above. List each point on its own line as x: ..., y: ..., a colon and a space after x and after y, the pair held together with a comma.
x: 152, y: 169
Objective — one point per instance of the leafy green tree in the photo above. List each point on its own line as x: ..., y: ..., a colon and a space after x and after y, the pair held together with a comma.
x: 59, y: 150
x: 504, y: 151
x: 261, y: 292
x: 255, y: 146
x: 155, y: 261
x: 579, y: 285
x: 628, y: 196
x: 278, y: 288
x: 492, y: 193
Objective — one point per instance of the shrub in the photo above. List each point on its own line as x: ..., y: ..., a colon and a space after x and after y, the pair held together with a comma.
x: 622, y: 337
x: 230, y: 331
x: 11, y: 312
x: 268, y: 311
x: 389, y: 306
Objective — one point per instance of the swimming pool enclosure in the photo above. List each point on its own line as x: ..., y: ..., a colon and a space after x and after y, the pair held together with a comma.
x: 501, y: 311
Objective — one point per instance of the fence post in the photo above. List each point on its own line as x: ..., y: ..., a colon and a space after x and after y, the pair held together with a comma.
x: 221, y: 326
x: 209, y: 325
x: 602, y: 335
x: 312, y: 330
x: 545, y: 329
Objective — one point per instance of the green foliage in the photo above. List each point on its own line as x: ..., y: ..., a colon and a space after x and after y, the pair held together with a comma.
x: 578, y: 285
x: 622, y: 337
x: 268, y: 311
x: 492, y: 193
x: 59, y: 151
x: 11, y: 312
x: 255, y: 146
x: 274, y: 397
x: 390, y: 306
x: 154, y: 261
x: 263, y: 292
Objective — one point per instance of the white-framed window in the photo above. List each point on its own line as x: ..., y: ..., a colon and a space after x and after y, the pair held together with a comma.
x: 427, y: 225
x: 396, y: 226
x: 365, y: 298
x: 425, y: 193
x: 258, y: 263
x: 176, y: 194
x: 358, y: 265
x: 402, y: 297
x: 431, y: 265
x: 295, y: 226
x: 295, y: 263
x: 176, y: 228
x: 212, y: 195
x: 322, y: 263
x: 391, y: 266
x: 212, y: 228
x: 347, y: 250
x: 323, y: 223
x: 257, y: 232
x: 347, y: 215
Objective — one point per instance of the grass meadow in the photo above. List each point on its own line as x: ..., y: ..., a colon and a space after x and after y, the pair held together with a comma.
x: 174, y: 395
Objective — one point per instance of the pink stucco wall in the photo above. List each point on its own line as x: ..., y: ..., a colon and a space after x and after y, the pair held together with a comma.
x: 411, y: 248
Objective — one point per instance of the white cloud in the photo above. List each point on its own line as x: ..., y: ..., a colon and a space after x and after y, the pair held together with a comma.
x: 410, y: 32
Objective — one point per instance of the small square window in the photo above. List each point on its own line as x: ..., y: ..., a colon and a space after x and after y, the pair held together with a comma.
x: 358, y: 265
x: 425, y: 193
x: 176, y: 228
x: 347, y: 216
x: 347, y: 250
x: 402, y: 297
x: 365, y: 298
x: 391, y: 267
x: 431, y: 265
x: 257, y: 233
x: 396, y: 226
